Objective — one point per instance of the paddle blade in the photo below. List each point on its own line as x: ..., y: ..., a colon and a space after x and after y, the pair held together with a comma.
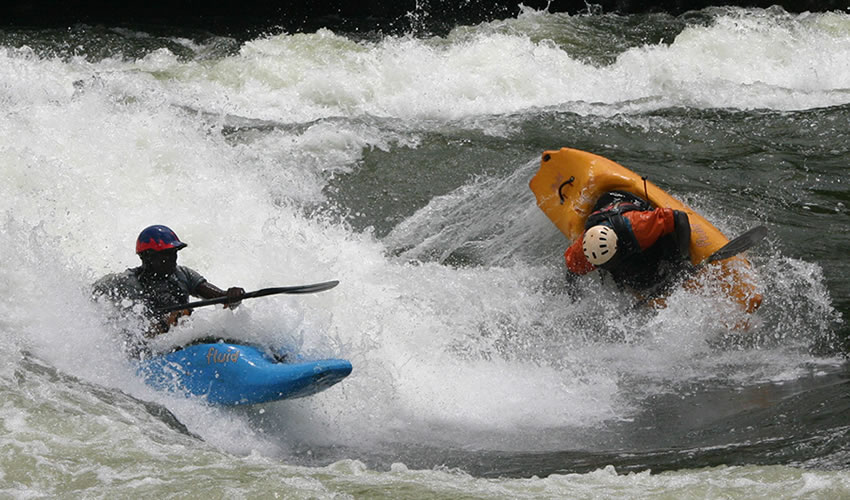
x: 316, y: 287
x: 739, y: 244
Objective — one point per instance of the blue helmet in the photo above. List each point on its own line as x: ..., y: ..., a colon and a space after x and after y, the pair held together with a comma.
x: 157, y: 239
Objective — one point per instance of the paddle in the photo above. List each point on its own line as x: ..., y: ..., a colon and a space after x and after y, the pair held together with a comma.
x: 316, y: 287
x: 741, y: 243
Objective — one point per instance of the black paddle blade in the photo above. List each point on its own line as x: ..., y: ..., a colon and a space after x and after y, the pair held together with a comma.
x: 739, y: 244
x: 316, y: 287
x: 299, y: 289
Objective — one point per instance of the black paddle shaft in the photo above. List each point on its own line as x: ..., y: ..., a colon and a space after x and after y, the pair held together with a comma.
x: 292, y: 290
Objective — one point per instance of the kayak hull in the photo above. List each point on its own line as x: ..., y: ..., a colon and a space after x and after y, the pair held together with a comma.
x: 570, y: 182
x: 235, y: 374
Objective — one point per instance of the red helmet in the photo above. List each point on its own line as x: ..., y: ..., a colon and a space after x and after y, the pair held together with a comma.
x: 157, y: 239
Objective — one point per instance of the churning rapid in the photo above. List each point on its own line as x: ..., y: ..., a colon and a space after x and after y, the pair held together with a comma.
x: 399, y: 165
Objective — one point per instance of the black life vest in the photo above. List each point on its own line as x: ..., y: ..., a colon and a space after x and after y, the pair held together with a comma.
x: 161, y: 292
x: 640, y: 269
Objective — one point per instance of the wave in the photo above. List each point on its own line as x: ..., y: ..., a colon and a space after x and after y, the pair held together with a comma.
x: 720, y: 58
x: 236, y: 152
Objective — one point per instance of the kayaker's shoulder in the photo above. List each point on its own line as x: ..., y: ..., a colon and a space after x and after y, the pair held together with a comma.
x: 189, y: 277
x: 116, y: 281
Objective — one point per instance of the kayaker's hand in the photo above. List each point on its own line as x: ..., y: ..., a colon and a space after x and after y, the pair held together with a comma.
x: 164, y: 322
x: 234, y: 297
x: 173, y: 316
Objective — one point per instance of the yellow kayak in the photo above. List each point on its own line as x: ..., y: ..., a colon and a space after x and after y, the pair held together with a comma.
x: 570, y: 182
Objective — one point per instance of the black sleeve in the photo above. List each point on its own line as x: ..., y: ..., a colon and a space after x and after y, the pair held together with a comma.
x: 682, y: 233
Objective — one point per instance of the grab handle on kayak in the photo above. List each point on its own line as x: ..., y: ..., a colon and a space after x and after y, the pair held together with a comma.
x: 561, y: 187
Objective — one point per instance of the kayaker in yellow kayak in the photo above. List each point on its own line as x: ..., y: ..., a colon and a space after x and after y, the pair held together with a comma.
x: 655, y: 247
x: 639, y: 246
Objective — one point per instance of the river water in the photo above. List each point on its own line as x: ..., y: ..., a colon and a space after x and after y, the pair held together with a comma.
x: 399, y: 165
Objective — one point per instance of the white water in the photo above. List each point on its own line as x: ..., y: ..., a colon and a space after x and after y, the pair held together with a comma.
x: 789, y: 62
x: 744, y: 59
x: 85, y: 171
x: 91, y: 152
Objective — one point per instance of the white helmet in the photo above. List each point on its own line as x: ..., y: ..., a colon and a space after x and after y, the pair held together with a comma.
x: 600, y: 244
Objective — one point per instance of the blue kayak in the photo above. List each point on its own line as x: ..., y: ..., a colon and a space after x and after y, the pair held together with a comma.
x: 234, y: 374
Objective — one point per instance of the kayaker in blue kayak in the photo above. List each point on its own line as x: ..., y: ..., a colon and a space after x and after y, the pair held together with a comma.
x: 158, y: 283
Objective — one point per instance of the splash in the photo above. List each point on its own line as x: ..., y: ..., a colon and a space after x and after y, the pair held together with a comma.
x: 235, y: 152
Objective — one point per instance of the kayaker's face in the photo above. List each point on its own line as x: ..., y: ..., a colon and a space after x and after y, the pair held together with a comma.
x: 161, y: 263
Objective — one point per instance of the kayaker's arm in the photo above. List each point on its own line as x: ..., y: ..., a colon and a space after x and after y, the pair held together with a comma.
x: 575, y: 259
x: 649, y: 226
x: 207, y: 290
